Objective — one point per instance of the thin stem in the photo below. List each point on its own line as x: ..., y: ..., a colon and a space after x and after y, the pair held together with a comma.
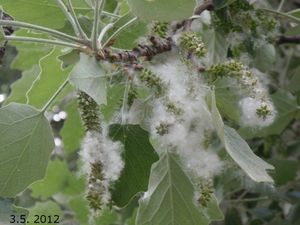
x: 110, y: 14
x: 73, y: 14
x: 42, y: 40
x: 248, y: 199
x: 97, y: 15
x: 124, y: 109
x: 65, y: 10
x: 55, y: 33
x: 116, y: 33
x: 282, y: 14
x: 62, y: 86
x: 280, y: 5
x: 103, y: 32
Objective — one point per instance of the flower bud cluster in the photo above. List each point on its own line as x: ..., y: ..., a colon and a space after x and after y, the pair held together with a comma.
x: 193, y: 44
x: 206, y: 191
x: 180, y: 118
x: 152, y: 81
x: 160, y: 29
x: 257, y: 109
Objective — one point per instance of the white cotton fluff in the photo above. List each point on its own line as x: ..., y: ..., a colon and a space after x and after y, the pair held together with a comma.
x: 250, y: 117
x: 99, y: 148
x: 187, y: 131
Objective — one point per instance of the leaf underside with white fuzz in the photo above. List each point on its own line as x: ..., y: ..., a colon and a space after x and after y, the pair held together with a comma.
x: 162, y: 10
x: 170, y: 196
x: 238, y: 149
x: 139, y: 155
x: 89, y: 77
x: 26, y: 142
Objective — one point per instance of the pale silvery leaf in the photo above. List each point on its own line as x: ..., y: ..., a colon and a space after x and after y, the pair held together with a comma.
x: 238, y: 149
x: 89, y: 77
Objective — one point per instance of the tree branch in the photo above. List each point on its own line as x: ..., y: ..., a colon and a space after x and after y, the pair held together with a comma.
x: 288, y: 40
x: 156, y: 47
x: 207, y: 5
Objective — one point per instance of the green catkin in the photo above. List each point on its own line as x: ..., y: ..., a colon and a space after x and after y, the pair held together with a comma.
x: 171, y: 107
x: 160, y: 29
x: 132, y: 94
x: 263, y: 111
x: 193, y: 44
x: 89, y: 112
x: 205, y: 194
x: 95, y: 187
x: 152, y: 81
x: 162, y: 128
x: 226, y: 69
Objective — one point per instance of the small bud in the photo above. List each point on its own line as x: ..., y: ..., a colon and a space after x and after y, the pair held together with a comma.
x: 205, y: 194
x: 152, y: 81
x: 263, y: 111
x: 160, y: 29
x: 162, y: 128
x: 193, y: 44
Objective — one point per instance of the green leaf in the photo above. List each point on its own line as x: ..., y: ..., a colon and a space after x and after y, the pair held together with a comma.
x: 287, y: 108
x: 72, y: 131
x: 216, y: 45
x: 114, y: 101
x: 212, y: 210
x: 293, y: 85
x: 38, y: 85
x: 265, y: 56
x: 26, y: 142
x: 49, y: 80
x: 58, y: 179
x: 162, y: 10
x: 233, y: 216
x: 89, y: 77
x: 138, y: 155
x: 170, y: 196
x: 21, y: 86
x: 219, y: 4
x: 285, y: 170
x: 53, y: 182
x: 7, y: 209
x: 80, y: 207
x: 29, y: 54
x: 238, y: 149
x: 129, y: 37
x: 295, y: 13
x: 44, y: 13
x: 228, y: 96
x: 48, y: 208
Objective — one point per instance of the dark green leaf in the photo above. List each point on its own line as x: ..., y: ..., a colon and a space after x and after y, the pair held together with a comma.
x: 139, y: 155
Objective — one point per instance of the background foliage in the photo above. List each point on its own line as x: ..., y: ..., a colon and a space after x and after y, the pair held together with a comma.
x: 30, y: 73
